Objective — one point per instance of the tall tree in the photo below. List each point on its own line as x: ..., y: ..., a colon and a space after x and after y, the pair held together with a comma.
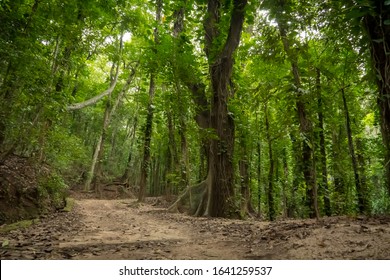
x: 281, y: 10
x: 220, y: 59
x: 149, y: 118
x: 376, y: 22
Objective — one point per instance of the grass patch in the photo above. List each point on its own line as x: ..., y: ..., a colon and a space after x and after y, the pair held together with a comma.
x: 18, y: 225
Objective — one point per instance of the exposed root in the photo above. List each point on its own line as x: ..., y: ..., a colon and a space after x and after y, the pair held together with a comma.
x: 193, y: 200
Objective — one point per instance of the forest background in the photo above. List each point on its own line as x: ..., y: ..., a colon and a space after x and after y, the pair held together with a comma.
x: 279, y: 109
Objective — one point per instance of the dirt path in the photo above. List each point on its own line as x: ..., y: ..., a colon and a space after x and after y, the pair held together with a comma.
x: 123, y: 229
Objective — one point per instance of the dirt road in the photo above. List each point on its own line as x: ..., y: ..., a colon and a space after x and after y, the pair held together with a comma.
x: 123, y: 229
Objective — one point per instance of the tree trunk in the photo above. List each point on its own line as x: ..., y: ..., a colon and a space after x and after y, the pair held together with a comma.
x: 285, y: 184
x: 217, y: 199
x: 270, y: 192
x: 95, y: 172
x: 147, y: 139
x: 362, y: 172
x: 259, y: 179
x: 305, y: 125
x: 321, y: 135
x: 378, y: 30
x: 149, y: 117
x: 126, y: 175
x: 361, y: 199
x: 221, y: 172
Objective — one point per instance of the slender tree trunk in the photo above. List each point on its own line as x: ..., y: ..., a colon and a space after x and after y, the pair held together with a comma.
x: 149, y: 117
x: 321, y: 135
x: 87, y: 185
x: 270, y: 192
x: 285, y: 184
x: 361, y: 202
x: 126, y: 174
x: 259, y: 179
x: 337, y: 167
x: 147, y: 141
x: 362, y: 171
x: 292, y: 211
x: 95, y: 172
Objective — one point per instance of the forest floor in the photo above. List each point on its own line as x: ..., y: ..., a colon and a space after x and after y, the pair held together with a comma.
x: 124, y: 229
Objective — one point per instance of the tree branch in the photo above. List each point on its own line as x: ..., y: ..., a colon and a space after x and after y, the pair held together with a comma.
x: 95, y: 99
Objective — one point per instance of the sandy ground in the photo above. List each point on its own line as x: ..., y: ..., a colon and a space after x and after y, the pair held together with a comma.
x: 123, y: 229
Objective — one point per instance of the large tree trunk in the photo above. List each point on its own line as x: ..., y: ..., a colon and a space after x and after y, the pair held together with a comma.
x: 378, y: 30
x: 217, y: 197
x: 221, y: 172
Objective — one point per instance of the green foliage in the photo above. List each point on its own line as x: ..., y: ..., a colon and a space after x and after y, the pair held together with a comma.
x: 54, y: 54
x: 53, y: 187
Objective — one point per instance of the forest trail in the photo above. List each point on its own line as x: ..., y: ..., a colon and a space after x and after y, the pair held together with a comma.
x: 124, y: 229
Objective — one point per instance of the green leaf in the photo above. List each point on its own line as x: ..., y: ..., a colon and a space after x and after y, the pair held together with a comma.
x: 386, y: 22
x: 387, y: 2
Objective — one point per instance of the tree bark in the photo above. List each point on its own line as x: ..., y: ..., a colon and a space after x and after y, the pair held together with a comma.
x: 221, y: 171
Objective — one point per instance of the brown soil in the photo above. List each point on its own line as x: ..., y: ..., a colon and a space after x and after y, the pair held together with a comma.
x: 20, y: 198
x: 123, y: 229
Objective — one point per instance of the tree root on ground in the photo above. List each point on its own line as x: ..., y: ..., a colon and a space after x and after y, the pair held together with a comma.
x: 194, y: 200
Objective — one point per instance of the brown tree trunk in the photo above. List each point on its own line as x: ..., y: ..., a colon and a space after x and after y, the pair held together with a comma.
x: 221, y: 172
x: 270, y: 192
x: 285, y: 184
x: 217, y: 197
x: 378, y: 30
x: 359, y: 190
x: 259, y: 179
x: 147, y: 139
x: 149, y: 118
x: 321, y: 135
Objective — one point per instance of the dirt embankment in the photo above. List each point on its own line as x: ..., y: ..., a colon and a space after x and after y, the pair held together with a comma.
x: 22, y: 191
x: 123, y: 229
